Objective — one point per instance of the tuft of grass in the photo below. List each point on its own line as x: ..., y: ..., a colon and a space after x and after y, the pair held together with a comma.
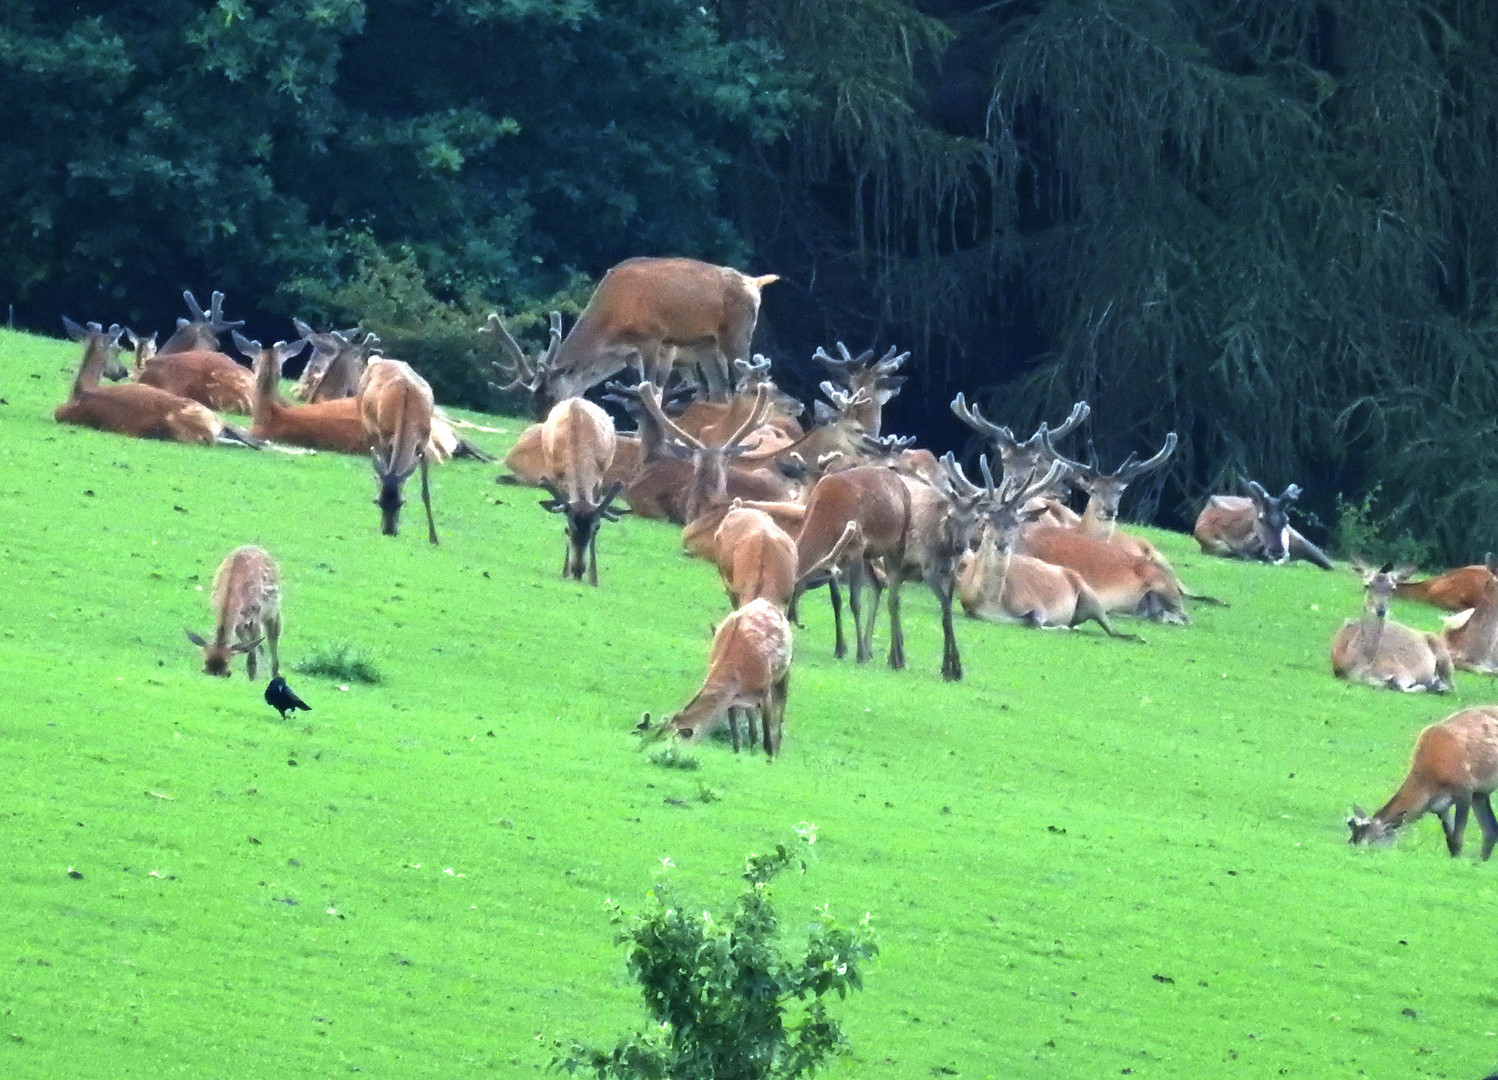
x: 672, y: 756
x: 341, y: 660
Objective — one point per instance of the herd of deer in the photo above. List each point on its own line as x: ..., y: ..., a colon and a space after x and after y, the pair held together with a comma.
x: 778, y: 507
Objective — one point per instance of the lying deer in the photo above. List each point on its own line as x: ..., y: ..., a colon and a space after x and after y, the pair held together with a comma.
x: 999, y: 585
x: 748, y: 668
x: 336, y: 365
x: 328, y: 425
x: 1255, y: 527
x: 1381, y: 652
x: 201, y: 332
x: 144, y: 412
x: 1472, y: 636
x: 870, y: 383
x: 1455, y: 769
x: 190, y: 363
x: 396, y: 406
x: 578, y: 441
x: 1455, y: 590
x: 1030, y: 457
x: 247, y: 609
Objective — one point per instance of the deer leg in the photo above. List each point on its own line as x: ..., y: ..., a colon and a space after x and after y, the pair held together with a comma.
x: 733, y: 728
x: 951, y: 659
x: 592, y: 557
x: 835, y: 598
x: 272, y: 637
x: 1486, y: 822
x: 426, y: 498
x: 249, y: 660
x: 892, y: 574
x: 855, y: 604
x: 774, y: 717
x: 1301, y: 548
x: 1456, y: 826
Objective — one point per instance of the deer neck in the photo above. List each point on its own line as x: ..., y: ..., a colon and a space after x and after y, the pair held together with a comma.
x: 1096, y: 521
x: 1371, y: 631
x: 95, y: 355
x: 1411, y: 801
x: 707, y: 704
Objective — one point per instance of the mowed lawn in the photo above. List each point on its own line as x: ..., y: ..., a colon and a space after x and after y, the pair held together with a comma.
x: 1088, y: 858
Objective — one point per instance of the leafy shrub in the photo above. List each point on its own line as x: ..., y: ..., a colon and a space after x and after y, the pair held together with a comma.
x: 340, y: 660
x: 727, y: 1002
x: 1359, y: 532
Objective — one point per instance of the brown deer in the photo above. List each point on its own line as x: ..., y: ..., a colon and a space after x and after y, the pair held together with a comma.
x: 396, y: 406
x: 872, y: 383
x: 578, y: 441
x: 1471, y: 637
x: 1454, y: 770
x: 1380, y: 652
x: 247, y: 609
x: 143, y: 412
x: 1030, y: 457
x: 756, y: 557
x: 336, y: 365
x: 655, y: 313
x: 1105, y: 491
x: 1121, y: 580
x: 712, y: 421
x: 1455, y: 590
x: 328, y: 425
x: 201, y: 332
x: 1255, y: 527
x: 997, y: 584
x: 747, y: 668
x: 206, y: 376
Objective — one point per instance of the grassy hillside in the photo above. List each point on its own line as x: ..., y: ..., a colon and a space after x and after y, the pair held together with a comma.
x: 1088, y: 858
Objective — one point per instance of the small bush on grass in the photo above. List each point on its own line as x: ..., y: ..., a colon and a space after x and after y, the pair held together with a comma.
x: 727, y: 1000
x: 341, y: 660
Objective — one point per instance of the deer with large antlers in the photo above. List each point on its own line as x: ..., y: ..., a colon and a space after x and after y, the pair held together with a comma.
x: 1255, y: 527
x: 578, y: 440
x: 396, y: 405
x: 1029, y: 457
x: 652, y: 313
x: 1380, y: 652
x: 748, y: 668
x: 144, y: 412
x: 871, y: 382
x: 336, y: 365
x: 1454, y: 770
x: 190, y: 364
x: 247, y: 610
x: 997, y: 584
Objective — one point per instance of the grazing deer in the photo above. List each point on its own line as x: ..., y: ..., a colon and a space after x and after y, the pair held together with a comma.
x: 578, y: 441
x: 653, y: 313
x: 1455, y: 590
x: 997, y: 584
x: 1381, y: 652
x: 328, y: 425
x: 872, y: 383
x: 1471, y: 637
x: 247, y: 608
x: 396, y: 405
x: 1256, y: 527
x: 748, y: 668
x: 144, y: 412
x: 1455, y: 769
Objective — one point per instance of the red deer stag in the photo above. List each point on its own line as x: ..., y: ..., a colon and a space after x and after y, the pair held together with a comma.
x: 578, y: 441
x: 1255, y: 527
x: 247, y: 609
x: 652, y: 313
x: 872, y: 382
x: 143, y: 412
x: 336, y: 365
x: 1030, y: 457
x: 396, y: 406
x: 1380, y: 652
x: 190, y: 363
x: 1455, y: 769
x: 999, y: 585
x: 748, y: 668
x: 201, y: 332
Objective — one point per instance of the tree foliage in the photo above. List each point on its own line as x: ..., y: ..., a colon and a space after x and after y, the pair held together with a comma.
x: 725, y: 1000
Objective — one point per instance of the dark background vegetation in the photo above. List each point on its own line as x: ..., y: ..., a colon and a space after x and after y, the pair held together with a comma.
x: 1269, y: 225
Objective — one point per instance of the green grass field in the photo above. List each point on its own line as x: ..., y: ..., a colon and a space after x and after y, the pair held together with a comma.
x: 1089, y: 858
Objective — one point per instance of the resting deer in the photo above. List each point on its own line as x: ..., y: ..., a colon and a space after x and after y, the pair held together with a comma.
x: 201, y: 332
x: 328, y: 425
x: 336, y: 365
x: 578, y: 441
x: 712, y: 421
x: 190, y: 363
x: 871, y: 382
x: 1030, y: 457
x: 1455, y: 769
x: 1471, y: 637
x: 748, y: 668
x: 654, y: 313
x: 1455, y: 590
x: 1256, y: 527
x: 144, y: 412
x: 999, y: 585
x: 396, y: 405
x: 247, y: 609
x: 1381, y: 652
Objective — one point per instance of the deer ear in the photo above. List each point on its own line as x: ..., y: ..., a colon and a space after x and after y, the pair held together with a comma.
x: 195, y: 639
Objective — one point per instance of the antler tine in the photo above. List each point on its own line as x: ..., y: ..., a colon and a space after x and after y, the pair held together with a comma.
x: 216, y: 320
x: 1132, y: 469
x: 1079, y: 412
x: 756, y: 416
x: 522, y: 372
x: 987, y: 474
x: 1292, y: 493
x: 840, y: 366
x: 891, y: 363
x: 553, y: 340
x: 1035, y: 487
x: 970, y: 416
x: 196, y: 309
x: 961, y: 485
x: 650, y: 398
x: 1084, y: 471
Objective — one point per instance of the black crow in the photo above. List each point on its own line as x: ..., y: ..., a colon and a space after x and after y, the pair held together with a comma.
x: 282, y: 698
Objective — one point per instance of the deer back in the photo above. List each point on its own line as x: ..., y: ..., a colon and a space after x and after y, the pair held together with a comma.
x: 578, y: 440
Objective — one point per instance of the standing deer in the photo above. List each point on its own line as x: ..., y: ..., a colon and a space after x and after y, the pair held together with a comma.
x: 578, y: 441
x: 1256, y: 527
x: 997, y: 584
x: 1455, y: 769
x: 748, y: 668
x: 144, y: 412
x: 653, y: 313
x: 1381, y: 652
x: 247, y: 609
x: 1472, y: 636
x: 396, y: 405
